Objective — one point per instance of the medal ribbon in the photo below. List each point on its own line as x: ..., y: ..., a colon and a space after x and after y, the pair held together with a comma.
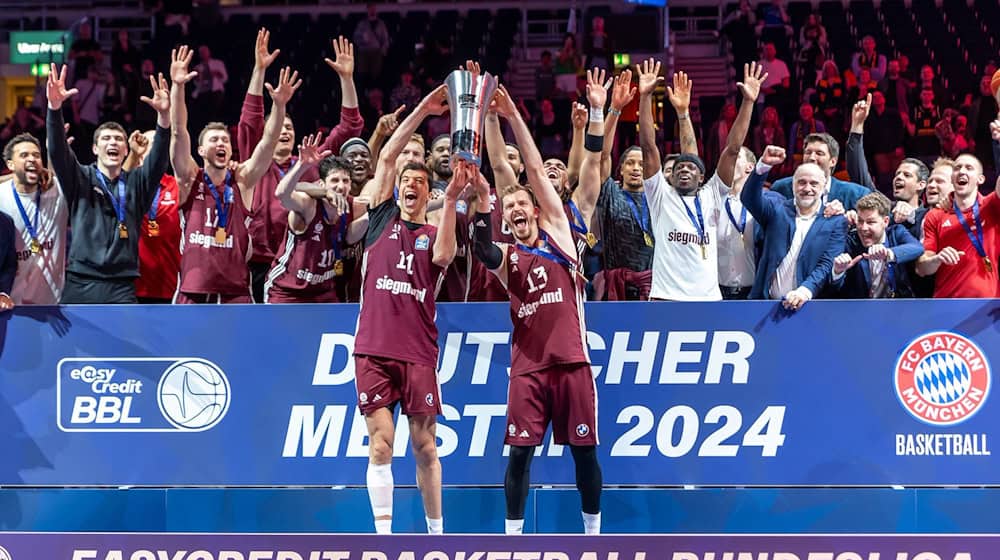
x: 31, y: 226
x: 577, y: 219
x: 221, y: 208
x: 546, y: 251
x: 699, y: 224
x: 742, y: 224
x: 635, y: 212
x: 337, y: 237
x: 156, y: 204
x: 975, y: 237
x: 118, y: 203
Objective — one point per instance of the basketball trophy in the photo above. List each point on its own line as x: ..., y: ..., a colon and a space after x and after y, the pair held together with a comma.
x: 469, y: 96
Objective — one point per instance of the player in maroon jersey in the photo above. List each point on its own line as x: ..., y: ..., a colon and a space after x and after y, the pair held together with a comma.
x: 395, y: 347
x: 550, y: 376
x: 215, y: 244
x: 311, y: 260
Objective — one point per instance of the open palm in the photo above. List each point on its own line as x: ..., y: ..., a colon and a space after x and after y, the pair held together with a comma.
x: 55, y: 88
x: 649, y: 76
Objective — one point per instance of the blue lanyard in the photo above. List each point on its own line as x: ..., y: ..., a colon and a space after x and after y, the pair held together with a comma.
x: 635, y: 211
x: 337, y: 237
x: 221, y: 208
x: 156, y: 204
x: 546, y: 251
x: 577, y: 219
x: 282, y: 172
x: 699, y: 224
x: 742, y: 224
x: 977, y: 237
x: 32, y: 226
x: 118, y: 203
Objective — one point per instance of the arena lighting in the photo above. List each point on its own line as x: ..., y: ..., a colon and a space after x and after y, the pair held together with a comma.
x: 622, y: 60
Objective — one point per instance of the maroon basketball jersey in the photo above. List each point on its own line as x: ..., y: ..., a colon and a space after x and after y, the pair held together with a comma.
x: 546, y: 307
x: 207, y: 266
x: 399, y: 284
x: 309, y: 262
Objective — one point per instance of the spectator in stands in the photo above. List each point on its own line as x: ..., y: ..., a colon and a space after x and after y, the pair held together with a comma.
x: 981, y: 110
x: 8, y: 261
x: 774, y: 22
x: 870, y: 266
x: 865, y: 85
x: 768, y: 131
x: 124, y: 56
x: 869, y: 59
x: 549, y: 131
x: 823, y: 150
x: 374, y: 108
x: 545, y: 78
x: 115, y: 103
x: 718, y: 133
x: 145, y: 117
x: 831, y: 96
x: 85, y: 52
x: 739, y: 26
x: 106, y: 203
x: 86, y: 107
x: 929, y: 81
x: 40, y: 217
x: 961, y: 243
x: 569, y: 63
x: 807, y: 125
x: 800, y: 242
x: 23, y: 121
x: 921, y: 126
x: 813, y: 48
x: 406, y: 93
x: 597, y: 47
x: 896, y: 88
x: 371, y: 38
x: 779, y: 79
x: 209, y: 88
x: 907, y: 73
x: 953, y: 134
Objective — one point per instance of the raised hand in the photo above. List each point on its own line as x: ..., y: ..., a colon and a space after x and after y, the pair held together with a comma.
x: 859, y: 114
x: 180, y: 60
x: 753, y: 76
x: 288, y: 83
x: 436, y: 102
x: 503, y: 104
x: 773, y: 156
x: 55, y: 88
x: 309, y: 150
x: 343, y: 63
x: 461, y: 176
x: 472, y: 66
x: 160, y: 102
x: 623, y: 92
x: 597, y: 96
x: 680, y: 93
x: 261, y: 58
x: 579, y: 116
x: 138, y: 143
x: 388, y: 122
x: 649, y: 76
x: 843, y: 262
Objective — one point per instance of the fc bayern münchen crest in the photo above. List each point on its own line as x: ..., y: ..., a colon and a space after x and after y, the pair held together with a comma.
x: 942, y: 378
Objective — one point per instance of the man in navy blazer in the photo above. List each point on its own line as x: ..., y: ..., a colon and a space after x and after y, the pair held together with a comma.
x: 8, y: 260
x: 800, y: 243
x: 871, y: 265
x: 823, y: 150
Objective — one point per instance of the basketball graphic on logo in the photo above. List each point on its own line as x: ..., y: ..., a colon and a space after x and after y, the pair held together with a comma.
x: 942, y: 378
x: 193, y: 394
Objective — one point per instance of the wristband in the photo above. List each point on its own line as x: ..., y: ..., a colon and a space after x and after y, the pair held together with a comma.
x: 593, y: 143
x: 615, y: 112
x: 683, y: 116
x: 597, y: 114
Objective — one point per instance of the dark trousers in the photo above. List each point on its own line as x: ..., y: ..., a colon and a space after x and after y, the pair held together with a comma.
x: 729, y: 292
x: 89, y: 290
x: 258, y: 277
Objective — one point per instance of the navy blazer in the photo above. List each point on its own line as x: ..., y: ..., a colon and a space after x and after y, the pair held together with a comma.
x: 8, y: 253
x: 822, y: 244
x: 846, y: 192
x: 856, y: 282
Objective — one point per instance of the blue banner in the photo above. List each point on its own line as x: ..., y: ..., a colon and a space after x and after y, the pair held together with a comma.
x: 733, y: 393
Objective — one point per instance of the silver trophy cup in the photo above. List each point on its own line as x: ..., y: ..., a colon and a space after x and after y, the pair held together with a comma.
x: 469, y: 97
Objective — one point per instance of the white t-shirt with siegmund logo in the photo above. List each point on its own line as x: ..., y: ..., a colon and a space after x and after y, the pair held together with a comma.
x: 680, y: 271
x: 40, y: 277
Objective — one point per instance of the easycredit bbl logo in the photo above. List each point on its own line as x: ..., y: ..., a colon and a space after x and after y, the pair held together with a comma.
x: 140, y: 394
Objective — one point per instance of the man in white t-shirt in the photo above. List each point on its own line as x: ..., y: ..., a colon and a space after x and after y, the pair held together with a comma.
x: 684, y: 215
x: 40, y: 216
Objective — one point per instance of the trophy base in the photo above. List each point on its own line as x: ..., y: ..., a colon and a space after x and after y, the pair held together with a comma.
x: 469, y: 157
x: 465, y: 144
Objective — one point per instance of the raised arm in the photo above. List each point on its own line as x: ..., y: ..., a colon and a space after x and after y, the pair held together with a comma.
x: 649, y: 76
x: 251, y: 125
x: 156, y: 163
x: 185, y: 168
x: 384, y: 129
x: 444, y: 245
x: 621, y: 95
x: 586, y: 193
x: 857, y: 163
x: 351, y: 124
x: 254, y: 168
x: 753, y: 76
x: 379, y: 188
x: 503, y: 173
x: 680, y: 97
x: 752, y: 195
x: 489, y: 253
x: 137, y: 146
x: 578, y: 117
x: 299, y: 204
x: 61, y: 157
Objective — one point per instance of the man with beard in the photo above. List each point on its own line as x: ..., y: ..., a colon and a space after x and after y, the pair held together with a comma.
x: 214, y: 250
x: 106, y: 203
x: 684, y: 216
x: 439, y: 162
x: 869, y: 267
x: 269, y: 217
x: 359, y: 158
x: 961, y: 242
x: 550, y: 378
x: 800, y: 242
x: 40, y: 217
x: 396, y: 351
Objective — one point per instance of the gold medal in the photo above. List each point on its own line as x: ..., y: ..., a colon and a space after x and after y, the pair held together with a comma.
x: 338, y: 267
x: 988, y: 263
x: 153, y: 229
x: 648, y: 239
x: 591, y: 239
x: 35, y: 246
x: 122, y: 231
x: 704, y: 252
x: 220, y: 235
